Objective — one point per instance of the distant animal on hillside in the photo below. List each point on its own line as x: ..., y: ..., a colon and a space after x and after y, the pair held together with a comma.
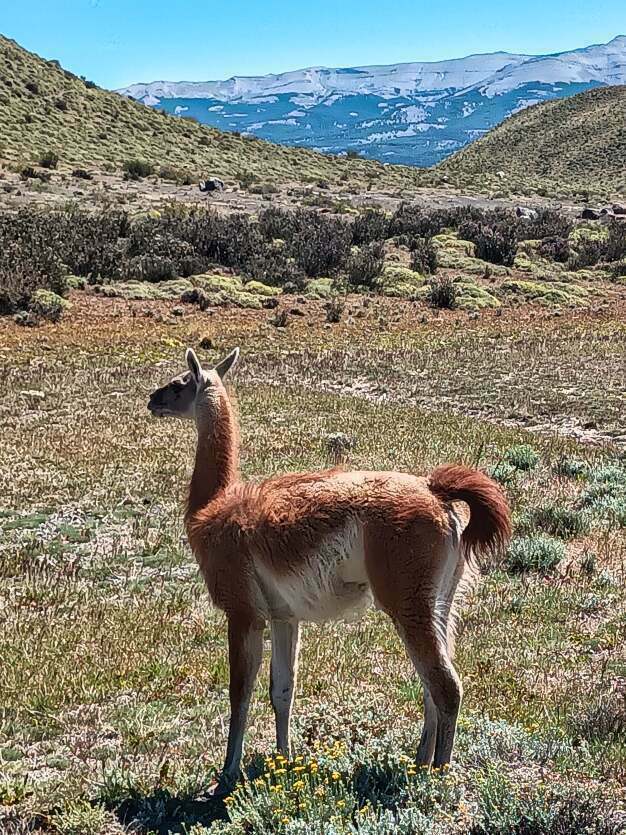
x: 321, y: 546
x: 213, y: 184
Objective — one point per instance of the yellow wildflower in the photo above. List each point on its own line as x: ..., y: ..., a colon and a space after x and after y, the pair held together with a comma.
x: 336, y: 775
x: 280, y: 771
x: 341, y: 803
x: 299, y: 768
x: 299, y: 784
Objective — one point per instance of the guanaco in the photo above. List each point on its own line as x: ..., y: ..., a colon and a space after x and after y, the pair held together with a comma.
x: 323, y: 545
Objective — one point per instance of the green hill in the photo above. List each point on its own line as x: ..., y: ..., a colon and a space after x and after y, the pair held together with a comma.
x: 46, y: 108
x: 565, y: 147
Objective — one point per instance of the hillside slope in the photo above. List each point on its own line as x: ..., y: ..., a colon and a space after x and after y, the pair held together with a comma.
x: 43, y: 107
x: 569, y: 146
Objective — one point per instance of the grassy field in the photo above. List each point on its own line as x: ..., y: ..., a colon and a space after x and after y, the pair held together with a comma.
x: 113, y: 666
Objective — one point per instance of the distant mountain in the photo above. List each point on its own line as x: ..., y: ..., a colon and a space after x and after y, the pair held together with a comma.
x: 416, y: 113
x: 570, y: 146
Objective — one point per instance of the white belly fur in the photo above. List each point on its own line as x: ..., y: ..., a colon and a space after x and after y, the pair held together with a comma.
x: 330, y: 584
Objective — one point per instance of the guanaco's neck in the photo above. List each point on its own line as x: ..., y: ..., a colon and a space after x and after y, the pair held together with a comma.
x: 217, y: 454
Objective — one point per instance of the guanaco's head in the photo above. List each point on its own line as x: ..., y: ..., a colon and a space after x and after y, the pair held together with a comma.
x: 194, y: 391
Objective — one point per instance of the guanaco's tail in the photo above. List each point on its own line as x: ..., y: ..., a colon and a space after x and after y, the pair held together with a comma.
x: 489, y: 528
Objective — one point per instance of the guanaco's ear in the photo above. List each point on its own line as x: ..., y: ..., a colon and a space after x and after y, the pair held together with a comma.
x: 194, y: 365
x: 224, y: 366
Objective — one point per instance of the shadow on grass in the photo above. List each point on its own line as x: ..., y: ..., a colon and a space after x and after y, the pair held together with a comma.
x: 162, y: 812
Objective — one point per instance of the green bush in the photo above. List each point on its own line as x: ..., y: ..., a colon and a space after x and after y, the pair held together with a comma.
x: 522, y: 457
x: 423, y: 256
x: 442, y: 293
x: 137, y: 169
x: 365, y: 265
x: 370, y: 225
x: 563, y: 522
x: 50, y: 159
x: 534, y: 553
x: 45, y: 304
x: 571, y: 468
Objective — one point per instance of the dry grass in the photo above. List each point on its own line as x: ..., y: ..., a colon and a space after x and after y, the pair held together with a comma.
x: 114, y: 665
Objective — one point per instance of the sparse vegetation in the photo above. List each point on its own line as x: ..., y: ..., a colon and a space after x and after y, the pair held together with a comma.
x: 534, y: 553
x: 572, y: 146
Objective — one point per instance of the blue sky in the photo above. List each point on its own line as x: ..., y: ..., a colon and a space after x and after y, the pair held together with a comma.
x: 116, y: 42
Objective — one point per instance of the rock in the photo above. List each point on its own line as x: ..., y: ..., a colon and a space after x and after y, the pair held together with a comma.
x: 33, y: 394
x: 526, y: 214
x: 589, y: 214
x: 270, y: 303
x: 295, y: 311
x: 206, y: 343
x: 212, y: 184
x: 178, y: 311
x: 619, y: 209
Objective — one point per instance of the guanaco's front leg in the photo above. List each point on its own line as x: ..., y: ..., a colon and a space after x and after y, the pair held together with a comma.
x: 245, y: 650
x: 285, y: 645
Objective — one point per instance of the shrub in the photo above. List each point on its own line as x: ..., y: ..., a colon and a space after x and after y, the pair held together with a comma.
x: 321, y: 244
x: 616, y: 241
x: 522, y: 457
x: 32, y: 87
x: 590, y: 251
x: 571, y: 468
x: 274, y: 268
x: 30, y: 173
x: 46, y: 304
x: 276, y: 223
x: 334, y: 310
x: 504, y: 473
x: 496, y: 244
x: 50, y: 159
x: 555, y: 249
x: 442, y: 293
x: 549, y: 223
x: 82, y: 174
x: 365, y: 265
x: 28, y: 259
x: 247, y: 179
x: 560, y: 521
x: 423, y: 256
x: 137, y: 169
x: 150, y: 268
x: 534, y: 553
x: 370, y: 225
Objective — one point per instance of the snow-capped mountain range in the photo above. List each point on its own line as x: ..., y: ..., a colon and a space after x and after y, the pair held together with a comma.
x: 415, y: 113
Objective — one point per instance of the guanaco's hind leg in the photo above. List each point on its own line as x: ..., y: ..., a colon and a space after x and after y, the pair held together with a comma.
x: 285, y: 645
x: 426, y: 748
x: 442, y: 691
x: 245, y: 651
x: 413, y: 577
